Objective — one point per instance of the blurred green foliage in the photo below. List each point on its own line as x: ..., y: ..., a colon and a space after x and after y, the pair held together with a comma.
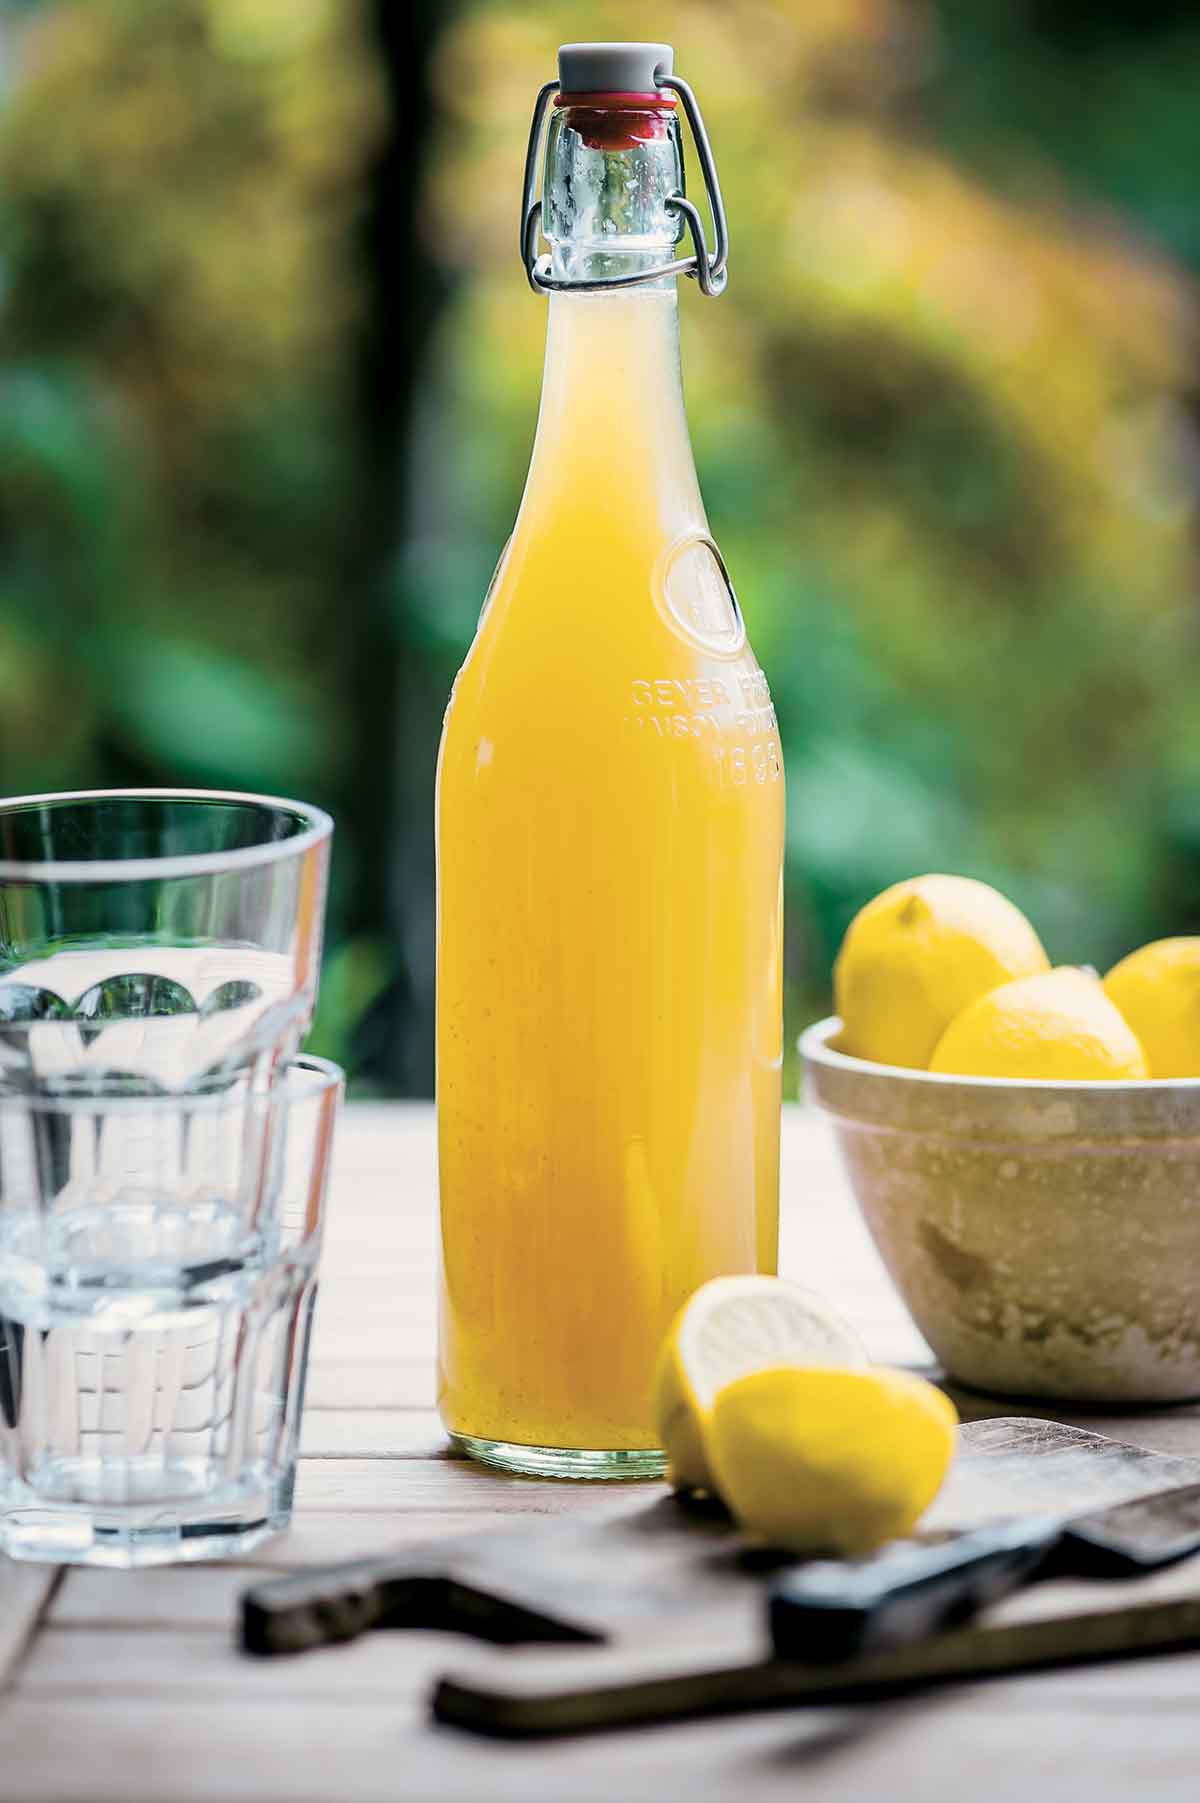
x: 181, y: 189
x: 945, y: 421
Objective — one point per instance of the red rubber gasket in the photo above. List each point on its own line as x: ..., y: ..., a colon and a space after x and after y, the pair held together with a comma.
x: 617, y: 121
x: 616, y: 98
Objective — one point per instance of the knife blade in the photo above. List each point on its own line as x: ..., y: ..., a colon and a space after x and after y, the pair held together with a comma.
x: 832, y: 1610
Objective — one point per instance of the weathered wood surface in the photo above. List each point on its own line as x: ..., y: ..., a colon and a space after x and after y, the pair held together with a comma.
x: 127, y: 1688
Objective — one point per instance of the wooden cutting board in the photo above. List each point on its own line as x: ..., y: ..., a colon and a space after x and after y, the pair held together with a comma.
x: 659, y: 1610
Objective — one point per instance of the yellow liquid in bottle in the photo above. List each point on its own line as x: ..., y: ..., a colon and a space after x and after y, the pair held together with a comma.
x: 610, y: 837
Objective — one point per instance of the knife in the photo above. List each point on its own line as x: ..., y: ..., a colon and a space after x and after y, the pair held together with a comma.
x: 831, y: 1610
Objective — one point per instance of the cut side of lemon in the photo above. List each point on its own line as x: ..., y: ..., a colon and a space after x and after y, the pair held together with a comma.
x: 729, y: 1328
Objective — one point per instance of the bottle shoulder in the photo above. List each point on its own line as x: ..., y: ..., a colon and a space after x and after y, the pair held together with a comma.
x: 614, y: 579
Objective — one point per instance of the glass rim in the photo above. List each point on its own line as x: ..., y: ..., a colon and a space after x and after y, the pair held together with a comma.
x: 306, y: 1074
x: 200, y: 863
x: 301, y: 1078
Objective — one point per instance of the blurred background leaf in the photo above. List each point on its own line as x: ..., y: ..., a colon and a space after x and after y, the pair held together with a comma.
x: 268, y: 380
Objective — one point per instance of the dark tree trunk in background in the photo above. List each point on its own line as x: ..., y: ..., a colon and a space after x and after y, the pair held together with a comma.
x: 391, y: 812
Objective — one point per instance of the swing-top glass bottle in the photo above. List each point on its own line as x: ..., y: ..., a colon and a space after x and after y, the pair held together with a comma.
x: 610, y: 836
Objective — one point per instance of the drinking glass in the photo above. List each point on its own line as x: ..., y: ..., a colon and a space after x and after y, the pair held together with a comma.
x: 158, y: 1271
x: 153, y: 939
x: 159, y: 952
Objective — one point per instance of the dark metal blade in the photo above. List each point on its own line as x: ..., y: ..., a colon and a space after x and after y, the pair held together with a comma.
x: 1132, y: 1537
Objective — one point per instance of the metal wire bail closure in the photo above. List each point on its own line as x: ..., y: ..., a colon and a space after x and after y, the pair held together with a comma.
x: 706, y: 267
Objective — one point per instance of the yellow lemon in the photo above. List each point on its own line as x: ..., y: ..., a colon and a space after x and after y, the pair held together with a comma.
x: 1060, y: 1025
x: 728, y: 1327
x: 830, y: 1461
x: 1157, y: 989
x: 915, y: 956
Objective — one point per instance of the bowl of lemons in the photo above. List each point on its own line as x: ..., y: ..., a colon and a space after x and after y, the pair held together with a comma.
x: 1023, y: 1141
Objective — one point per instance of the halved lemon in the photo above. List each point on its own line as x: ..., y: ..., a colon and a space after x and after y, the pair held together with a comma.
x: 730, y: 1327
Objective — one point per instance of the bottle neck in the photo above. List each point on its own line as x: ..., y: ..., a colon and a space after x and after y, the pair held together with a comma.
x: 612, y: 164
x: 612, y: 420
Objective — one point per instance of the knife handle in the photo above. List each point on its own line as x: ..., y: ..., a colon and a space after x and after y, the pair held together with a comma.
x: 833, y: 1610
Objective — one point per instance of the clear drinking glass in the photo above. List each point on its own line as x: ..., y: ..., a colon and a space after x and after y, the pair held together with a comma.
x: 159, y: 952
x: 158, y: 1271
x: 154, y: 939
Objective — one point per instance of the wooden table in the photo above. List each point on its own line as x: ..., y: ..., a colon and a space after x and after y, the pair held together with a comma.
x: 127, y: 1688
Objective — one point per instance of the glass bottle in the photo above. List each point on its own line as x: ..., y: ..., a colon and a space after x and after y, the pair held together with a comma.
x: 610, y: 837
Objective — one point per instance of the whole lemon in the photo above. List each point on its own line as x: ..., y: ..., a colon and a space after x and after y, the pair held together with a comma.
x: 915, y: 956
x: 729, y: 1326
x: 1157, y: 989
x: 830, y: 1461
x: 1060, y: 1025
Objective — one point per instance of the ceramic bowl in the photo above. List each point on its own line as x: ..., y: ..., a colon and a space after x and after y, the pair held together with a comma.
x: 1045, y: 1236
